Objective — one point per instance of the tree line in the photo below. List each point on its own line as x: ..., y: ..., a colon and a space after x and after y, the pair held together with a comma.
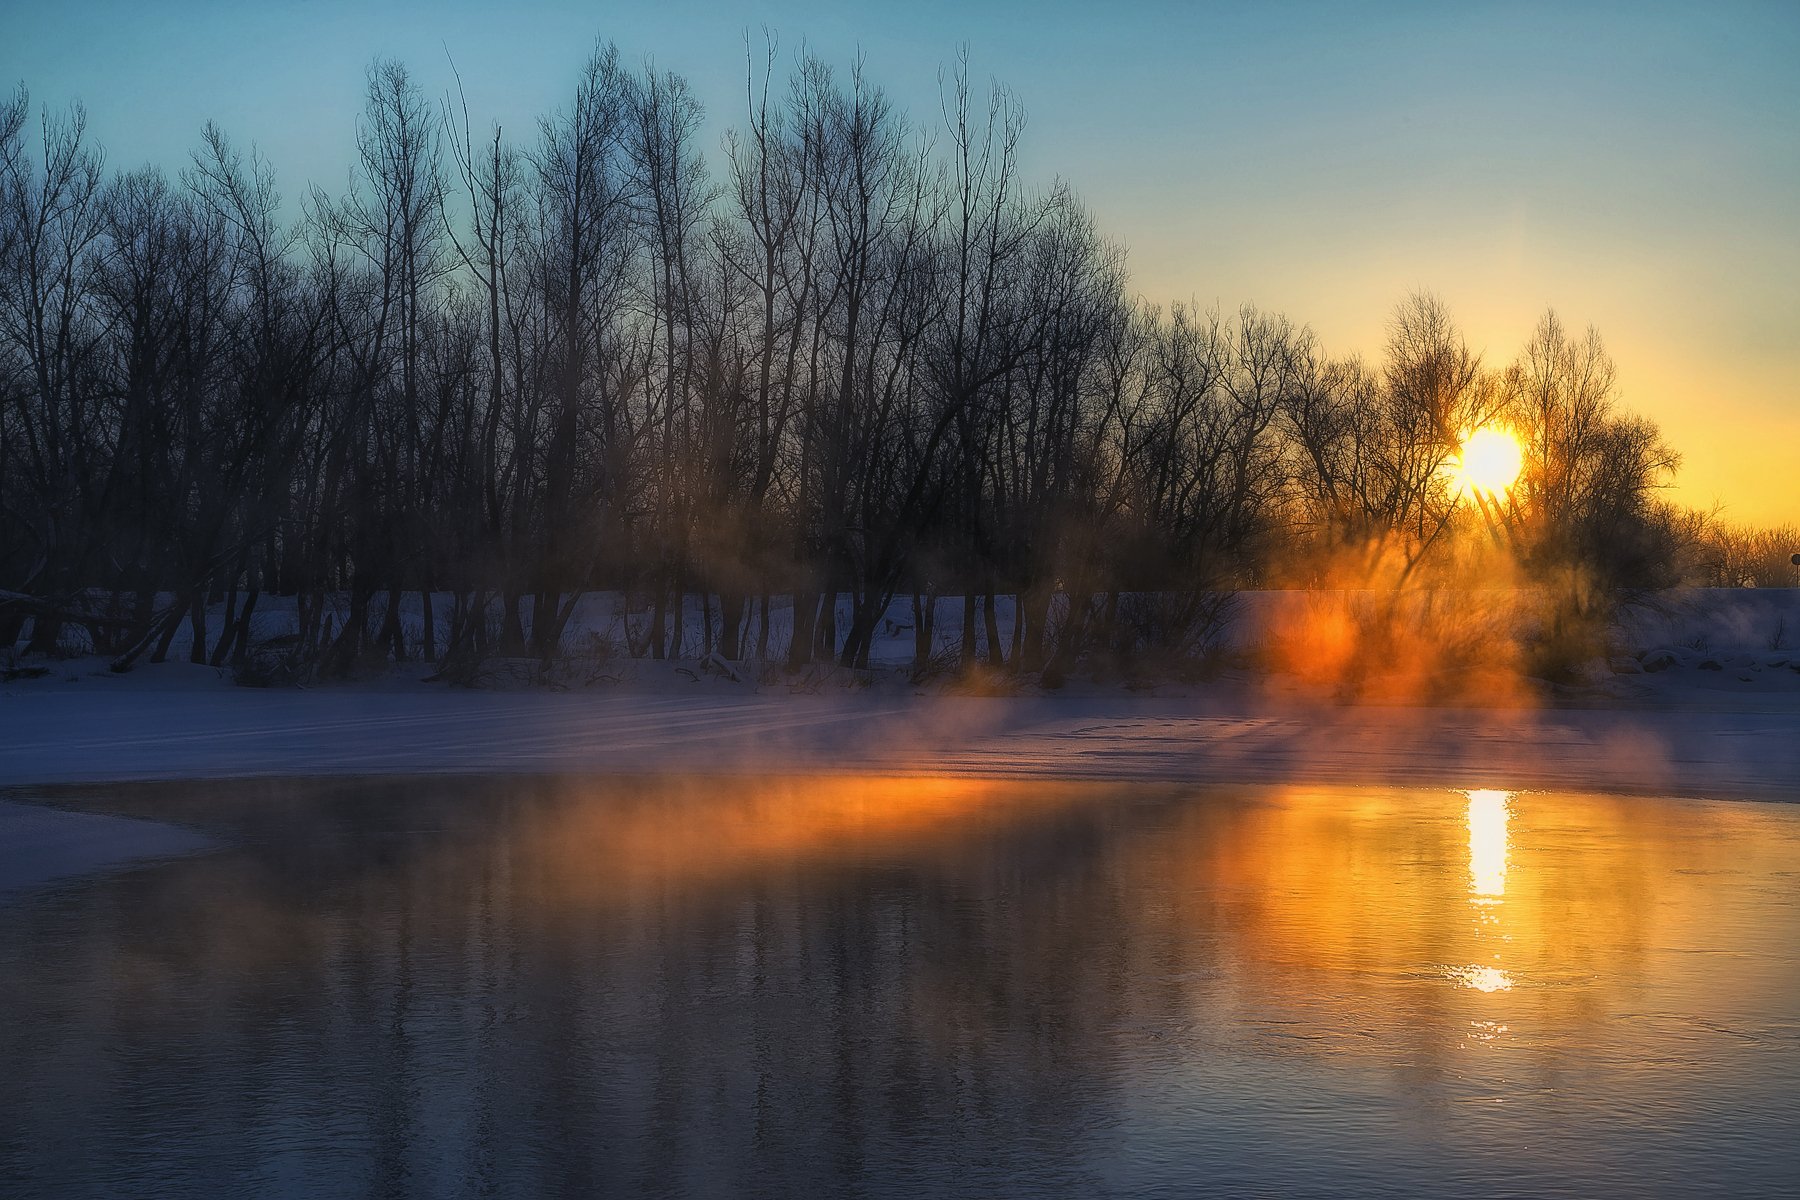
x: 845, y: 354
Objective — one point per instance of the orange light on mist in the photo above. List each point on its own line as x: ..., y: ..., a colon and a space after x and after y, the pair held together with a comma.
x: 695, y: 830
x: 1487, y: 464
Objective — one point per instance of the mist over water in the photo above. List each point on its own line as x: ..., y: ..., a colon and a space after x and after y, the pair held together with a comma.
x: 909, y: 987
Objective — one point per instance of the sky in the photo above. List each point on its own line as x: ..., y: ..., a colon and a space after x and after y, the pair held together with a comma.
x: 1634, y: 166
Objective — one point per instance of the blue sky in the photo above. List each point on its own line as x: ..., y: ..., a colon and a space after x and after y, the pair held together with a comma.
x: 1636, y: 166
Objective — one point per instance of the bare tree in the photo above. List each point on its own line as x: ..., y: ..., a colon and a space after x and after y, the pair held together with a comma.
x: 585, y: 193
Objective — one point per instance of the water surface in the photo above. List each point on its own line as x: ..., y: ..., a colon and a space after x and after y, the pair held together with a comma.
x: 878, y: 987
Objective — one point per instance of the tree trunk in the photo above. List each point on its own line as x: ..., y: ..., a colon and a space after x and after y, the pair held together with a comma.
x: 865, y: 613
x: 164, y: 630
x: 241, y: 646
x: 460, y: 624
x: 197, y: 618
x: 392, y: 635
x: 512, y: 627
x: 347, y: 649
x: 800, y: 640
x: 659, y: 624
x: 967, y: 657
x: 1034, y: 614
x: 177, y: 612
x: 228, y: 630
x: 996, y: 653
x: 430, y: 630
x: 545, y: 636
x: 732, y: 606
x: 924, y: 607
x: 826, y: 647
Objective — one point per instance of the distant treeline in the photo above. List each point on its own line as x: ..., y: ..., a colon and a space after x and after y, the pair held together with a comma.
x: 849, y: 353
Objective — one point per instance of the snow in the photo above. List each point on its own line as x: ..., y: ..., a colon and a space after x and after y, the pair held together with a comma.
x: 106, y: 729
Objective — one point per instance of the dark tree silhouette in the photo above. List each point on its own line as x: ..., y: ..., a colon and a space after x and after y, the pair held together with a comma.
x: 854, y: 357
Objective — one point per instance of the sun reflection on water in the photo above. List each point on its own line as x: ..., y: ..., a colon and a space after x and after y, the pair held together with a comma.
x: 1489, y: 811
x: 1482, y: 979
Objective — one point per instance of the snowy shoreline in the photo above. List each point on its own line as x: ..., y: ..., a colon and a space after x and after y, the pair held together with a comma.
x: 1668, y: 734
x: 1678, y: 733
x: 1709, y: 708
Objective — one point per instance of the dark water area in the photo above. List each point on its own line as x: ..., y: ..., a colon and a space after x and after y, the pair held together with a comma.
x: 887, y: 987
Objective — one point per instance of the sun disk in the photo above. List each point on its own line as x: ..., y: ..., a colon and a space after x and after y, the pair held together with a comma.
x: 1489, y: 463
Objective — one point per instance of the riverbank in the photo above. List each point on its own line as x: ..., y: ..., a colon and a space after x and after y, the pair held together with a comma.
x: 1680, y: 732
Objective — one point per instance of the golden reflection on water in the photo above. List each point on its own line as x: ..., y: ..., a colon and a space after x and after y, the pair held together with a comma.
x: 1406, y: 913
x: 1482, y: 979
x: 1489, y: 811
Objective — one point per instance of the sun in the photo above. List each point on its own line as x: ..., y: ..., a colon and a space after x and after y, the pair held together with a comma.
x: 1487, y: 464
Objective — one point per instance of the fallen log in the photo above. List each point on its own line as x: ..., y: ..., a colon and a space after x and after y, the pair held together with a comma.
x: 43, y: 606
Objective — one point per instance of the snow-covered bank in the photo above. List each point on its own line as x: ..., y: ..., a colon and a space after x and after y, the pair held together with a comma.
x: 1727, y: 748
x: 1705, y: 702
